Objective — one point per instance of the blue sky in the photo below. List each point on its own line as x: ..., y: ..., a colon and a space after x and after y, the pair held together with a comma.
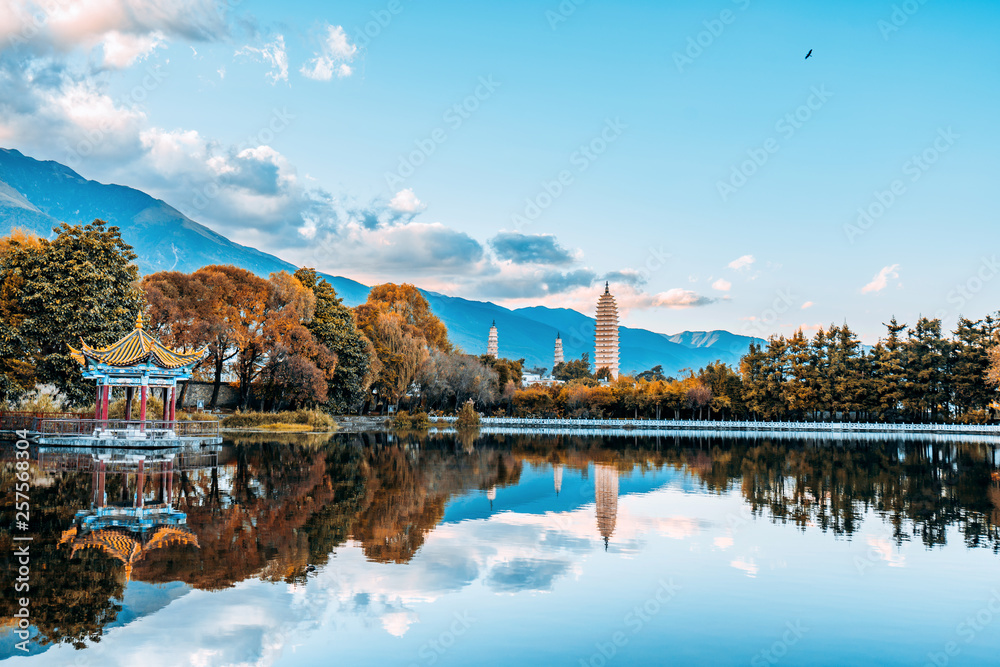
x: 426, y: 142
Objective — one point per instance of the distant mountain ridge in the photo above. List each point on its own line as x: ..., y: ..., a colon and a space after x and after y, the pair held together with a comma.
x: 38, y: 195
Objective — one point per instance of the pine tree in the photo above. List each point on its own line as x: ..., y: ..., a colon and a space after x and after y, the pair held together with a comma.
x: 333, y: 325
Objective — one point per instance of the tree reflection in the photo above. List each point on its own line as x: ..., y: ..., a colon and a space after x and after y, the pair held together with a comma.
x: 274, y: 509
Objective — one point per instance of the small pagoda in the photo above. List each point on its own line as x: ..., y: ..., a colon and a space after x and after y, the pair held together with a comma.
x: 493, y: 342
x: 136, y: 362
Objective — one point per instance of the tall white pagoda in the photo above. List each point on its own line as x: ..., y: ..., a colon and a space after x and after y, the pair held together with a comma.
x: 558, y: 358
x: 606, y: 334
x: 493, y: 345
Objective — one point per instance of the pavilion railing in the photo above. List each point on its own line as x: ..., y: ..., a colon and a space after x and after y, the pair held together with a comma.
x: 28, y: 421
x: 128, y: 429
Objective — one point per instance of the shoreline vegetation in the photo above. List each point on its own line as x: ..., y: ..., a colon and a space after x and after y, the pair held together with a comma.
x: 304, y: 421
x: 288, y: 345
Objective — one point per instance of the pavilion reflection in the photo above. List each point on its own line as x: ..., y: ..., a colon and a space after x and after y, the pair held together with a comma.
x: 136, y: 517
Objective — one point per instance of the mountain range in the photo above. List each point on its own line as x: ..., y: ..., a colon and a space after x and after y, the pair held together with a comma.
x: 38, y: 195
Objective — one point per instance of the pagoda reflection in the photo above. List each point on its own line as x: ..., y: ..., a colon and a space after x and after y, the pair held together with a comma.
x: 606, y: 498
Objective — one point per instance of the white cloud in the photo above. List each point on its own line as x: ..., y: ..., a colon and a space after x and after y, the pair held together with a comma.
x: 722, y: 285
x: 807, y: 304
x: 582, y: 297
x: 129, y: 25
x: 122, y: 50
x: 742, y: 262
x: 406, y: 202
x: 881, y: 279
x: 273, y: 54
x: 333, y: 57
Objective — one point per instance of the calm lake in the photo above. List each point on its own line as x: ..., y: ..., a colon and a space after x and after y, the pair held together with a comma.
x: 519, y: 549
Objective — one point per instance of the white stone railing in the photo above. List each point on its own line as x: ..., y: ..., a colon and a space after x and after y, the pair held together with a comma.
x: 694, y: 425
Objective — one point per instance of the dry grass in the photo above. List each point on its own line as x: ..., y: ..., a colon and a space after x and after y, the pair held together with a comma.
x: 416, y: 421
x: 299, y: 420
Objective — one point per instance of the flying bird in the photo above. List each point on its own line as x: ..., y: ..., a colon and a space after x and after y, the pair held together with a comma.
x: 809, y: 54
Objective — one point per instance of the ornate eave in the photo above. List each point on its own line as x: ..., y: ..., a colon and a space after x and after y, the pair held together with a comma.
x: 136, y: 354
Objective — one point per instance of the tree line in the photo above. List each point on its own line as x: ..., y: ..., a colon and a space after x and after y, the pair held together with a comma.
x: 285, y: 341
x: 288, y: 341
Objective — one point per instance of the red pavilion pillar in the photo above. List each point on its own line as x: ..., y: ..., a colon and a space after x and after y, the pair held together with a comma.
x: 97, y: 401
x: 173, y: 404
x: 105, y: 399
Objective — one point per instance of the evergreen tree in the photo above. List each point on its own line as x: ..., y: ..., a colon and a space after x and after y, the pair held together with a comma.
x: 969, y: 364
x: 333, y: 325
x: 573, y: 370
x: 926, y: 358
x: 80, y: 285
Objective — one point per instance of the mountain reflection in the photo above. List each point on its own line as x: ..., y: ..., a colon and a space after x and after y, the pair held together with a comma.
x: 278, y: 510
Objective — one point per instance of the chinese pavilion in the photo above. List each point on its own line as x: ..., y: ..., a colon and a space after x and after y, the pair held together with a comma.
x: 137, y: 361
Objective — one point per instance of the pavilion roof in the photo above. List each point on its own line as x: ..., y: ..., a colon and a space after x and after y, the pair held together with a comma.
x: 124, y: 546
x: 136, y: 347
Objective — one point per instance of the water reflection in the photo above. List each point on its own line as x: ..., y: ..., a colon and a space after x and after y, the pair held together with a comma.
x: 517, y: 513
x: 143, y: 518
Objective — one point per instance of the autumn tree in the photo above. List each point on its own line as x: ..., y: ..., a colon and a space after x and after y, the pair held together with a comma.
x: 417, y: 319
x: 80, y: 285
x: 298, y: 367
x: 17, y: 370
x: 182, y: 313
x: 398, y: 321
